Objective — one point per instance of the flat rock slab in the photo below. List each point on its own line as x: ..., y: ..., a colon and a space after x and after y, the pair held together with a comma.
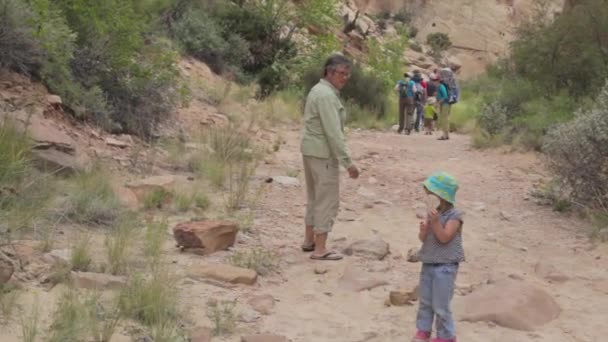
x: 98, y: 281
x: 510, y: 304
x: 201, y: 334
x: 223, y: 272
x: 374, y: 249
x: 357, y: 280
x: 263, y: 338
x: 262, y: 304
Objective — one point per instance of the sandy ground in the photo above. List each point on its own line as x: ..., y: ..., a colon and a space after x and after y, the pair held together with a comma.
x: 505, y: 233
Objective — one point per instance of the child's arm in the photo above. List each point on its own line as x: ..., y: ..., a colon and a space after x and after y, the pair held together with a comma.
x: 444, y: 234
x: 424, y: 230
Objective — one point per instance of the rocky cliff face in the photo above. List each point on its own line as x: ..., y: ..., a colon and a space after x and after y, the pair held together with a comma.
x: 480, y: 30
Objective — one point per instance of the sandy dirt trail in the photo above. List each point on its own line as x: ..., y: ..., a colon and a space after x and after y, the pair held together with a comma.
x: 506, y: 234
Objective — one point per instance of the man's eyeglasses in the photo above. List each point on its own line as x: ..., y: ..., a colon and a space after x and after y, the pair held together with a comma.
x: 343, y: 73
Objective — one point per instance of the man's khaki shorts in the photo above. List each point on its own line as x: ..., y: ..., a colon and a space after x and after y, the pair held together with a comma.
x: 322, y: 192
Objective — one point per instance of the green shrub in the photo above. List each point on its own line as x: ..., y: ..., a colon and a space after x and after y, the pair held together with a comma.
x: 150, y: 300
x: 223, y: 316
x: 80, y: 258
x: 318, y: 13
x: 202, y: 37
x: 403, y: 16
x: 258, y: 259
x: 157, y: 198
x: 416, y: 47
x: 439, y: 41
x: 493, y: 118
x: 91, y: 199
x: 23, y: 190
x: 364, y: 89
x: 119, y: 242
x: 19, y: 48
x: 576, y: 151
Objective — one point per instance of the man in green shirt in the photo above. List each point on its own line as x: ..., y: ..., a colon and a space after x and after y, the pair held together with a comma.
x: 324, y: 150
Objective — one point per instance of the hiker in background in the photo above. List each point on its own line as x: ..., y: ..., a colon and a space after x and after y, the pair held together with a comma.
x: 323, y: 150
x: 446, y: 96
x: 405, y: 90
x: 441, y: 253
x: 431, y: 87
x: 419, y: 98
x: 430, y: 112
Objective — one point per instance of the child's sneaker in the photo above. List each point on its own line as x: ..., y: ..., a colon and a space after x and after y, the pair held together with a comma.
x: 443, y: 340
x: 422, y: 336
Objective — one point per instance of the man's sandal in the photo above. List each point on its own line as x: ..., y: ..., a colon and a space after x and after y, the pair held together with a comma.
x: 327, y: 256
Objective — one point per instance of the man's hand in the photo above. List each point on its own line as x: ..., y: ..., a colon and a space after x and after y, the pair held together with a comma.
x: 353, y: 172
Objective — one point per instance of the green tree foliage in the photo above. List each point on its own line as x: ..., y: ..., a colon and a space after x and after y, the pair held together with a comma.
x: 243, y: 39
x: 97, y: 55
x: 555, y: 67
x: 318, y: 13
x: 19, y: 49
x: 386, y: 60
x: 577, y: 153
x: 569, y: 53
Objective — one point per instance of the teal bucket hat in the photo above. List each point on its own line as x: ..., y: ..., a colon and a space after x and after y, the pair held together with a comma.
x: 443, y: 185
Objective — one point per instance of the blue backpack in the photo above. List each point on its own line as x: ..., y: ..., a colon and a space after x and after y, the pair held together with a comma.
x: 453, y: 93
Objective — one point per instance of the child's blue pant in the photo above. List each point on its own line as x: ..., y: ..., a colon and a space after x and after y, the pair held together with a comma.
x: 436, y: 290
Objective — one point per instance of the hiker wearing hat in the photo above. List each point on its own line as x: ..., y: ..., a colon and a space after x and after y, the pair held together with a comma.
x: 430, y: 111
x: 419, y: 98
x: 440, y: 254
x: 405, y: 90
x: 448, y: 82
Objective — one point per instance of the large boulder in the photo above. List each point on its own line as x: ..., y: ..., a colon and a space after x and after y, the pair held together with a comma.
x: 510, y: 304
x: 206, y: 236
x: 374, y: 249
x: 222, y: 272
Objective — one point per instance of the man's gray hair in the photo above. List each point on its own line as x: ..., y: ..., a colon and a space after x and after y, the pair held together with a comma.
x: 334, y: 61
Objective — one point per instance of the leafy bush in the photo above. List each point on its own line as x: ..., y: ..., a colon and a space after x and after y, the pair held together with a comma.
x: 439, y: 41
x: 150, y: 300
x: 566, y: 53
x: 577, y: 153
x: 91, y: 199
x: 318, y: 13
x: 493, y: 118
x: 364, y: 89
x: 202, y: 37
x: 19, y: 49
x: 23, y: 191
x: 386, y: 60
x: 244, y: 40
x: 403, y: 16
x: 416, y: 47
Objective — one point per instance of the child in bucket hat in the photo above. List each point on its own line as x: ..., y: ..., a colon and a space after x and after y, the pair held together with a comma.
x: 441, y: 253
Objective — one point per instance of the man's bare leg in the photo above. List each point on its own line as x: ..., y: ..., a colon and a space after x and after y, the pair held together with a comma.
x: 320, y: 244
x: 309, y: 236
